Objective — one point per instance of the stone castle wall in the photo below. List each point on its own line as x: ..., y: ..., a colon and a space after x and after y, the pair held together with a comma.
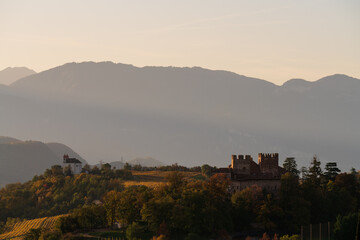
x: 244, y: 172
x: 271, y: 185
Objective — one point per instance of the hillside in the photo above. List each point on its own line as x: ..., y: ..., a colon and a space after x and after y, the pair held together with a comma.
x: 187, y: 115
x: 20, y: 229
x: 8, y: 140
x: 21, y: 160
x: 10, y: 75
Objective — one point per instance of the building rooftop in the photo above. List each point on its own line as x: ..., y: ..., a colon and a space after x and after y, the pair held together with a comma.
x: 72, y: 160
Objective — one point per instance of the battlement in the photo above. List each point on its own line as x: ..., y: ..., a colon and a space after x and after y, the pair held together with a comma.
x: 241, y: 163
x: 240, y: 157
x: 268, y: 157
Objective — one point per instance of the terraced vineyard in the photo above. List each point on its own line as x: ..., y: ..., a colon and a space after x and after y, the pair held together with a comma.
x: 20, y: 229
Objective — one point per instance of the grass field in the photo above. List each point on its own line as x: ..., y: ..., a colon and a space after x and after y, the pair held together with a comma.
x: 157, y: 178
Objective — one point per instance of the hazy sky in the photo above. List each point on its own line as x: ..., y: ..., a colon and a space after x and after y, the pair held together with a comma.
x: 272, y: 40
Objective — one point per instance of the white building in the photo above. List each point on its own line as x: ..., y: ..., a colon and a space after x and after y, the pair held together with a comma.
x: 74, y: 164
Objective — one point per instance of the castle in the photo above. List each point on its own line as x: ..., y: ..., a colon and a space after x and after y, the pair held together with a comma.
x: 244, y: 172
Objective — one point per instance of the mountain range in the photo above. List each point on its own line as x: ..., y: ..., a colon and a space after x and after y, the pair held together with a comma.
x: 190, y: 116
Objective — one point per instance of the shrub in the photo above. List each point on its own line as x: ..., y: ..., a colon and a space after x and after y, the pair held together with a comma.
x: 293, y: 237
x: 135, y: 231
x: 345, y: 227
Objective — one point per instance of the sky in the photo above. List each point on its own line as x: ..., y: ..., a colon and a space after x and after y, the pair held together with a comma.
x: 273, y: 40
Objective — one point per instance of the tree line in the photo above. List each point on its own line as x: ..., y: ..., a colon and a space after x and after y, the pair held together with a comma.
x: 189, y: 208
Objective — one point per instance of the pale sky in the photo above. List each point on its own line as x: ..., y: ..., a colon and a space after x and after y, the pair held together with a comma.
x: 273, y: 40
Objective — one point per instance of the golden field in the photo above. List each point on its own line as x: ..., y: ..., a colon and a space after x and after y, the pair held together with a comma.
x: 154, y: 178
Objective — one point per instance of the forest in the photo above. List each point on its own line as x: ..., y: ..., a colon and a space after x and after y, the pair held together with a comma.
x: 185, y: 208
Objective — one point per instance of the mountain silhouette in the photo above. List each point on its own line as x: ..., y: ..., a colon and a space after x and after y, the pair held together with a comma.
x: 190, y: 116
x: 10, y: 75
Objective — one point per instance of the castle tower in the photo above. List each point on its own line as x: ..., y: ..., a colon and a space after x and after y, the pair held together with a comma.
x: 234, y: 161
x: 241, y: 164
x: 269, y: 163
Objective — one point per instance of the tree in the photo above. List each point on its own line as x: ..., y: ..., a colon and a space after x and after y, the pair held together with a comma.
x: 345, y: 227
x: 111, y: 205
x: 95, y: 170
x: 206, y: 170
x: 304, y: 173
x: 315, y: 172
x: 295, y: 207
x: 67, y: 171
x: 135, y: 231
x: 217, y: 207
x: 33, y: 234
x: 51, y: 234
x: 68, y: 224
x: 157, y: 211
x: 127, y: 166
x: 331, y: 171
x: 131, y: 201
x: 357, y: 237
x: 245, y: 205
x: 90, y: 217
x: 291, y: 166
x: 270, y: 213
x: 56, y: 170
x: 86, y: 168
x: 176, y: 181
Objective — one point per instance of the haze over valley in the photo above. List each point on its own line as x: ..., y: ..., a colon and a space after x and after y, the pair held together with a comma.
x: 191, y: 116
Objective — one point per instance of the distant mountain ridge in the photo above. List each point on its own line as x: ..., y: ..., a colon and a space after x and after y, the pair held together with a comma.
x: 21, y: 160
x: 9, y: 140
x: 10, y: 75
x: 186, y: 115
x: 146, y: 162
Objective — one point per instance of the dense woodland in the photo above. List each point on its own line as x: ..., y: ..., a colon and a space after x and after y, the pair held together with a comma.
x: 187, y: 208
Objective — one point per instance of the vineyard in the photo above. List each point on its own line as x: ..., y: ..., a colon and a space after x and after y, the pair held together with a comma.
x: 20, y: 229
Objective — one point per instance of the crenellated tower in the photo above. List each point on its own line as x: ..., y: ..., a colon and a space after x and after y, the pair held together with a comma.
x: 241, y: 164
x: 268, y: 163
